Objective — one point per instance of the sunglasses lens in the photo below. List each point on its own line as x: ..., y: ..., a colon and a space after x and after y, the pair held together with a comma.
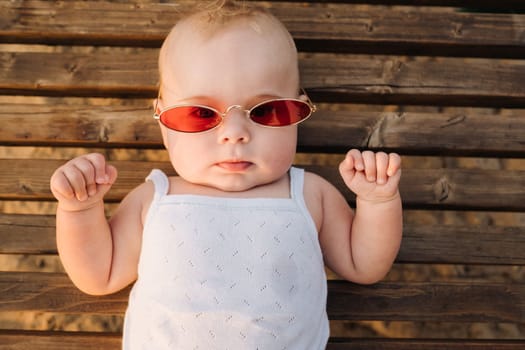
x: 280, y: 112
x: 190, y: 118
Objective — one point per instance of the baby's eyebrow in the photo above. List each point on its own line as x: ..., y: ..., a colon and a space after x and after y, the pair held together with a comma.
x: 264, y: 97
x: 214, y: 102
x: 199, y: 99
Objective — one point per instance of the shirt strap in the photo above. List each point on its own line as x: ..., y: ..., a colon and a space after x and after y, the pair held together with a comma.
x: 296, y: 183
x: 160, y: 181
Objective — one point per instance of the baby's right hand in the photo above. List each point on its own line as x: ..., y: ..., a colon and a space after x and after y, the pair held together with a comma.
x: 82, y: 181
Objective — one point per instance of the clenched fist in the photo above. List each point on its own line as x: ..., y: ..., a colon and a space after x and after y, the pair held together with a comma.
x: 371, y: 176
x: 82, y: 181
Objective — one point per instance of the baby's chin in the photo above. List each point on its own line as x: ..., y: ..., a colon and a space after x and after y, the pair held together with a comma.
x: 243, y: 188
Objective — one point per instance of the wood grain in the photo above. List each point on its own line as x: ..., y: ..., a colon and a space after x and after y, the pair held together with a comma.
x: 400, y: 301
x: 337, y: 27
x: 431, y: 244
x: 344, y: 78
x: 22, y: 340
x: 333, y: 128
x: 92, y: 65
x: 454, y: 188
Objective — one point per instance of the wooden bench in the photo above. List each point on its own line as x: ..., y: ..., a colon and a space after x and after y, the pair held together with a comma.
x: 440, y: 82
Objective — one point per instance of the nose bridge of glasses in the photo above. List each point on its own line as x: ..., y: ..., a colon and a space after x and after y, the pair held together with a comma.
x: 239, y: 107
x: 233, y: 127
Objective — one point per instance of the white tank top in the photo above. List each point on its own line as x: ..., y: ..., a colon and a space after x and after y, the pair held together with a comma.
x: 228, y: 273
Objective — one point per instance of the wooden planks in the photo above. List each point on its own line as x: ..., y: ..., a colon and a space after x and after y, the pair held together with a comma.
x: 401, y: 301
x: 333, y: 128
x: 78, y: 124
x: 427, y: 344
x: 467, y: 301
x: 54, y: 292
x: 27, y: 234
x: 422, y: 243
x: 22, y: 340
x: 465, y: 244
x: 432, y: 53
x: 446, y: 188
x: 343, y: 78
x: 318, y: 26
x: 103, y: 72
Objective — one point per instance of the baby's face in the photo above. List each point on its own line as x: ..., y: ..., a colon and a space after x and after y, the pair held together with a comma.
x: 237, y: 66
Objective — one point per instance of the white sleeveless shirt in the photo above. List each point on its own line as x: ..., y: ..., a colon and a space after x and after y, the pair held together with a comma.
x: 228, y: 273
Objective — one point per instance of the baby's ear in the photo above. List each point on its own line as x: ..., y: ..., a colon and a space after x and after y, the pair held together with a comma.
x: 157, y: 105
x: 303, y: 96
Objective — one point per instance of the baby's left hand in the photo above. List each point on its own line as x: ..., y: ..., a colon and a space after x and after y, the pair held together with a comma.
x: 372, y: 176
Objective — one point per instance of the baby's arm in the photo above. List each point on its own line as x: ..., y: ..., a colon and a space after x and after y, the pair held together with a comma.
x: 99, y: 256
x: 361, y: 247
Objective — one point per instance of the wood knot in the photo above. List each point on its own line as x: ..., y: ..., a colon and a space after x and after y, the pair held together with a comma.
x: 72, y: 68
x: 369, y: 27
x: 442, y: 189
x: 26, y: 189
x: 103, y: 135
x: 458, y: 30
x: 453, y: 120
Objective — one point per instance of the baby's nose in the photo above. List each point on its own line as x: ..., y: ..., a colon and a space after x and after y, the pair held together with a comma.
x: 235, y: 126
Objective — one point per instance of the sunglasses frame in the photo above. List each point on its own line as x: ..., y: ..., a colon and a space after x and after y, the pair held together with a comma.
x: 157, y: 113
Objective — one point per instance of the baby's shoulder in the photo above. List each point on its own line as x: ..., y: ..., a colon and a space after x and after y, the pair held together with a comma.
x: 139, y: 199
x: 316, y: 192
x: 143, y: 192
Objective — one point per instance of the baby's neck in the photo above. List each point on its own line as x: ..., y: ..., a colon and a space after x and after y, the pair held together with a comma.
x: 277, y: 189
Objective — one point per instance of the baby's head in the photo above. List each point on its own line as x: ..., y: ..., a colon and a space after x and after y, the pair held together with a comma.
x: 231, y: 59
x: 239, y: 22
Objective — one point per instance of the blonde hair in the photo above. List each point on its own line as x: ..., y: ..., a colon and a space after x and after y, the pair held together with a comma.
x: 221, y: 11
x: 212, y: 15
x: 225, y: 7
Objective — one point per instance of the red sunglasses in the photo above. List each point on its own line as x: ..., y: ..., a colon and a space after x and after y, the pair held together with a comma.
x: 272, y: 113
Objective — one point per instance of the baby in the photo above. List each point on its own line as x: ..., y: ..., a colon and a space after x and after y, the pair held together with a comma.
x: 230, y: 253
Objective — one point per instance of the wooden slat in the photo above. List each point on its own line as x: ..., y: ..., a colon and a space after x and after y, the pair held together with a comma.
x: 455, y: 244
x: 53, y: 292
x: 414, y: 80
x: 404, y: 301
x: 39, y: 340
x: 101, y: 72
x: 23, y: 340
x: 358, y: 78
x: 426, y: 344
x: 78, y: 124
x: 27, y: 234
x: 449, y: 133
x: 448, y: 244
x: 428, y: 301
x: 504, y: 6
x: 336, y: 127
x: 28, y: 179
x: 341, y: 27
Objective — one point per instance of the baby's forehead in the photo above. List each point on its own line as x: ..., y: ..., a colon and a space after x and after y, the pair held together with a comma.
x: 259, y: 41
